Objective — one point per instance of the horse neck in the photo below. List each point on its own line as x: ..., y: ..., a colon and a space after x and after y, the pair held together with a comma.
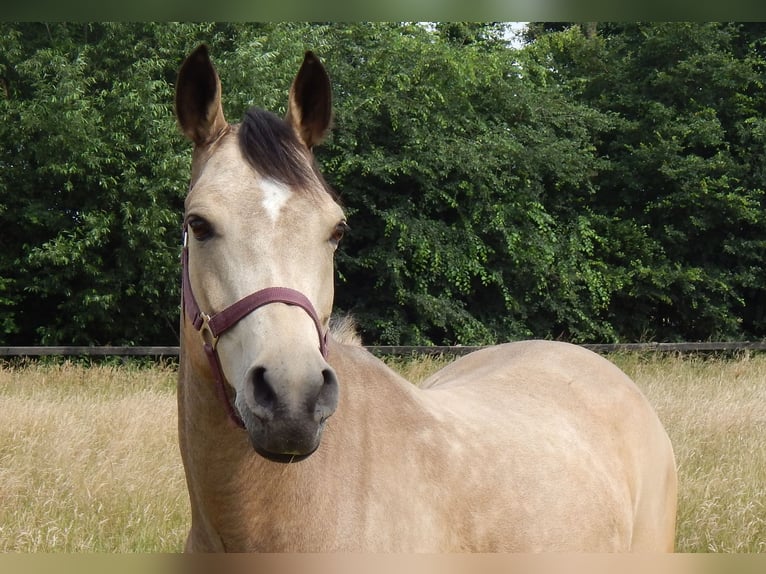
x: 370, y: 386
x: 203, y: 418
x: 226, y: 478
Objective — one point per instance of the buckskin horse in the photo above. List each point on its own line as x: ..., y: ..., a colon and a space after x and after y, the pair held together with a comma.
x: 294, y: 438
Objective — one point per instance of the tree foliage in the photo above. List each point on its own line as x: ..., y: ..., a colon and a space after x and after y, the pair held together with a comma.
x: 604, y: 182
x: 681, y: 198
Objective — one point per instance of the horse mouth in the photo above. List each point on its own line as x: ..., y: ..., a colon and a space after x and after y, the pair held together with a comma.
x: 282, y: 458
x: 283, y: 441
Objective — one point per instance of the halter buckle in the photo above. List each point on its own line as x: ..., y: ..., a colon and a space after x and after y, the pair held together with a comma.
x: 207, y: 333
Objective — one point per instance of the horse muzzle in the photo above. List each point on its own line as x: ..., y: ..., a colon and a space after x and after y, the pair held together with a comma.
x: 285, y: 416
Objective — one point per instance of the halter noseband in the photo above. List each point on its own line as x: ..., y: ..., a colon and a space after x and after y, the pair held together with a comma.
x: 212, y: 327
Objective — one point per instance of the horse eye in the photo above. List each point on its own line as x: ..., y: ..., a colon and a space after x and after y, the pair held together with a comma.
x: 200, y: 228
x: 339, y: 232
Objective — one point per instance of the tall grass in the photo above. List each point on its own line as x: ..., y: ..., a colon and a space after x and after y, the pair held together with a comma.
x: 89, y: 458
x: 715, y: 413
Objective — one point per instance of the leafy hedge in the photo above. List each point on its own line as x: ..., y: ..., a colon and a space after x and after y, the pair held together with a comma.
x: 598, y: 184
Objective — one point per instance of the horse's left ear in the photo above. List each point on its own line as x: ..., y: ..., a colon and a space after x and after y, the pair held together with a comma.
x: 309, y: 109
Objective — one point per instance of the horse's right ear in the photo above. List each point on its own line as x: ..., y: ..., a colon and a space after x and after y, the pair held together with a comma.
x: 198, y: 98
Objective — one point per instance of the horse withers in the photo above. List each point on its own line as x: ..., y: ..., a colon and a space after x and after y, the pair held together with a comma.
x: 294, y: 439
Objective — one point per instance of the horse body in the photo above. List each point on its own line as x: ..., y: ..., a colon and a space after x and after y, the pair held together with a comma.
x: 531, y: 446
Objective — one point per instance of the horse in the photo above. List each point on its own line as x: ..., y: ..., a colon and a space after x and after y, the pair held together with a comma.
x: 295, y: 438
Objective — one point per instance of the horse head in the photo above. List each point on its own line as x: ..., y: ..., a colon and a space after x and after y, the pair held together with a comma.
x: 261, y: 228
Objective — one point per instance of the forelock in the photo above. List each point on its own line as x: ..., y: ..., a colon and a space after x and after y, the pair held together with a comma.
x: 271, y: 146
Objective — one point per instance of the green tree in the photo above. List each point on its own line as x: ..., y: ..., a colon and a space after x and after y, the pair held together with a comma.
x: 604, y: 182
x: 679, y: 198
x: 443, y: 153
x: 90, y: 184
x: 682, y: 173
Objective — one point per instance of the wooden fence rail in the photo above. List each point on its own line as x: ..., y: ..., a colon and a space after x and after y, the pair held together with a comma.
x: 138, y: 351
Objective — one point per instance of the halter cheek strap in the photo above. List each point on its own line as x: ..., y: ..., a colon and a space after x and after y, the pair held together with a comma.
x: 212, y: 327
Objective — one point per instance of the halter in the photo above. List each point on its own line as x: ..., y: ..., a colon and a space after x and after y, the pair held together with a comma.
x: 212, y: 327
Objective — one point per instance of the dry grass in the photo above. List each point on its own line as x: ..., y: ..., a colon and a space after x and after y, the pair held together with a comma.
x: 89, y: 459
x: 715, y: 413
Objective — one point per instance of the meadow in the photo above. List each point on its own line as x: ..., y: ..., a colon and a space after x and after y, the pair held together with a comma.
x: 89, y: 460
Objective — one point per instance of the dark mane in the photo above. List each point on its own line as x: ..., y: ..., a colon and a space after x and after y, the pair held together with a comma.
x: 274, y: 150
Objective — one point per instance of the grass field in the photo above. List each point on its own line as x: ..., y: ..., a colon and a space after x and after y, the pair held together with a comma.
x: 89, y: 460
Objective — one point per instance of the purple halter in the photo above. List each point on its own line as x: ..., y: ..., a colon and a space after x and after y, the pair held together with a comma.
x: 212, y: 327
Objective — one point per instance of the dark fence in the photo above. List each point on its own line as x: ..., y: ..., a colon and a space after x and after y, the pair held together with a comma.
x: 85, y: 351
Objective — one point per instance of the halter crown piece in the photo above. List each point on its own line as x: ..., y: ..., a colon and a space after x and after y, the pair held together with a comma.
x: 212, y: 327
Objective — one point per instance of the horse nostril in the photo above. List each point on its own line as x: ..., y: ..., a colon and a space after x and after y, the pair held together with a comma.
x: 284, y: 398
x: 263, y: 393
x: 327, y: 401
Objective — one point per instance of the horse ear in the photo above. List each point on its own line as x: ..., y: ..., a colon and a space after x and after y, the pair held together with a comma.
x: 198, y: 98
x: 309, y: 108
